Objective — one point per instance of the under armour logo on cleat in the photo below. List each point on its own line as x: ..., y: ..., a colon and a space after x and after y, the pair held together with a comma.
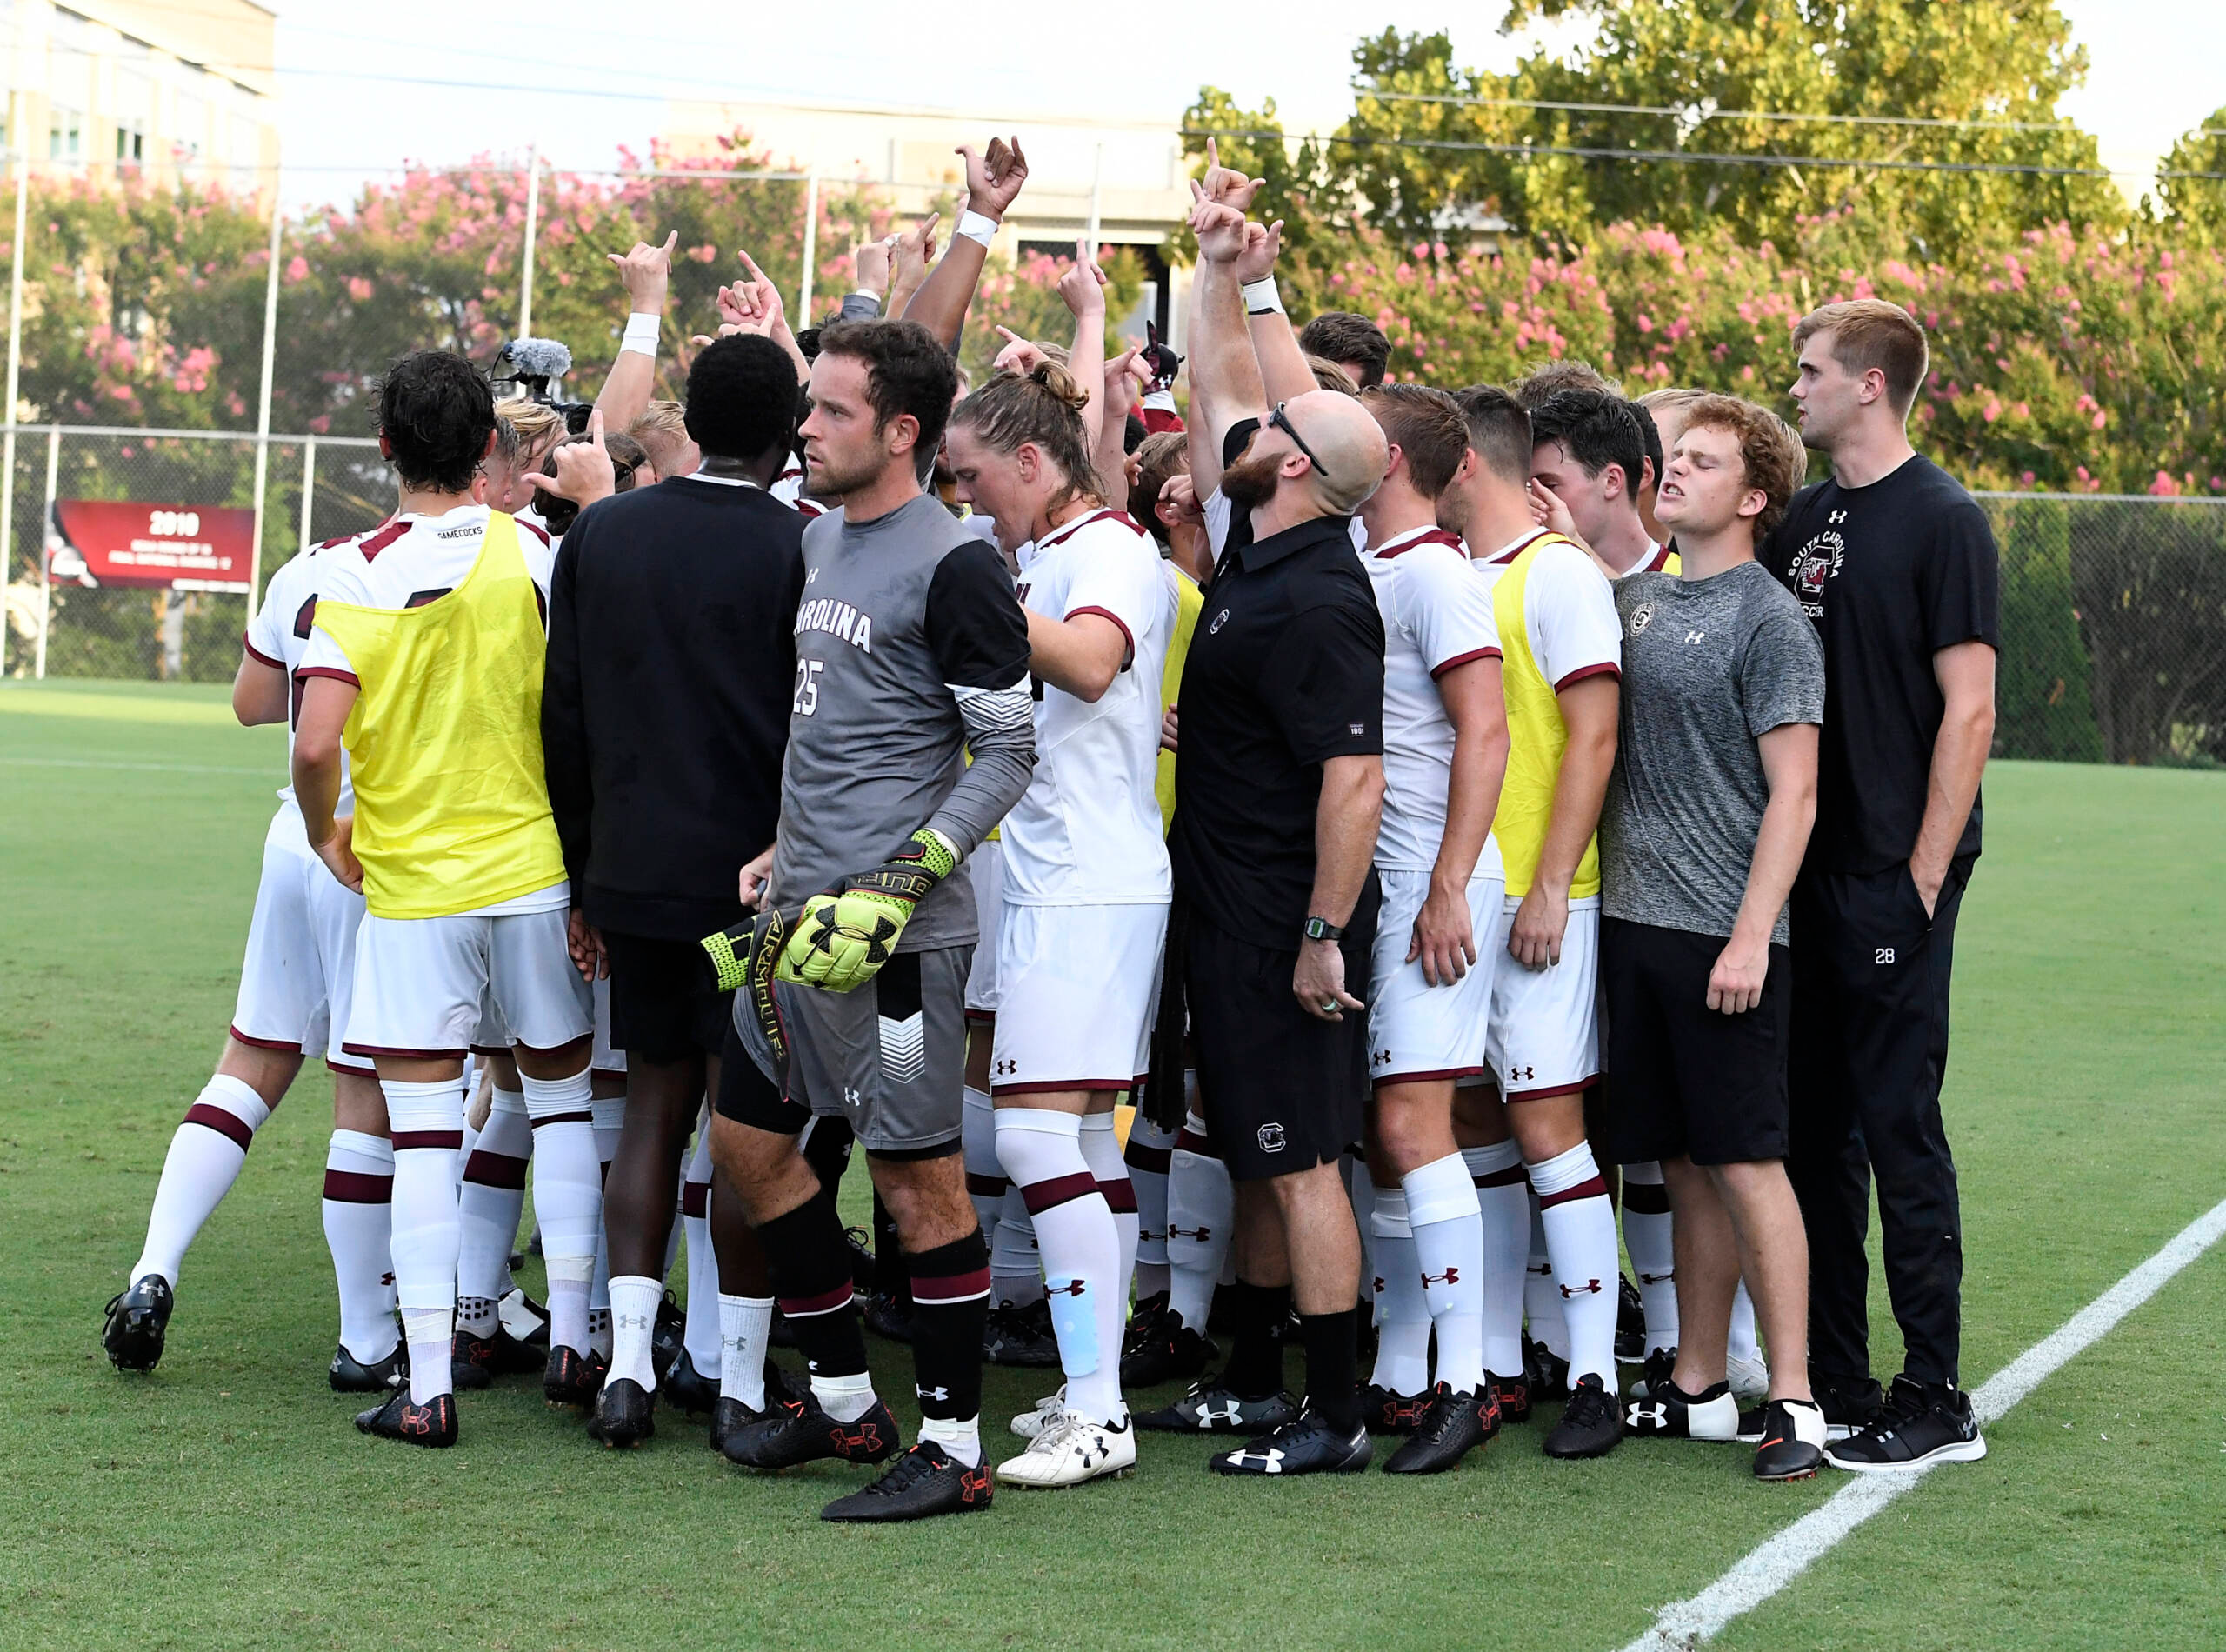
x: 1649, y: 1415
x: 1270, y: 1460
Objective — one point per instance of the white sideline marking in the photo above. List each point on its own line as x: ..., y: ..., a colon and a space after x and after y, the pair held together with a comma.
x: 156, y: 768
x: 1777, y: 1561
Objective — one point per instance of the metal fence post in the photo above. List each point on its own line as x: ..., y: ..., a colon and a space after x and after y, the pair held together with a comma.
x: 308, y: 487
x: 15, y: 363
x: 263, y: 413
x: 45, y: 571
x: 810, y: 250
x: 532, y: 228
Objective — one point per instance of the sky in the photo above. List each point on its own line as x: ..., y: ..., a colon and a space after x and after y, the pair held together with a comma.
x: 361, y: 85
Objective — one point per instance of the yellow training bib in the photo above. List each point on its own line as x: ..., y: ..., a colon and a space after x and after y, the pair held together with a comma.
x: 1536, y: 739
x: 444, y: 741
x: 1187, y: 602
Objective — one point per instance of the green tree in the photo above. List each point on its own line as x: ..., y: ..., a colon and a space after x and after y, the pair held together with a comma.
x: 2192, y: 183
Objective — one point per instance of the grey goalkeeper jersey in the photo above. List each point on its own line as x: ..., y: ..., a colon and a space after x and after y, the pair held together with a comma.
x: 911, y: 650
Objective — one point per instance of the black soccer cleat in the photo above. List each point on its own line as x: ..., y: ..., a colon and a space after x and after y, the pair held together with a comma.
x: 1921, y: 1424
x: 1453, y: 1426
x: 925, y: 1481
x: 1218, y: 1411
x: 573, y: 1378
x: 1513, y: 1394
x: 1592, y: 1424
x: 1546, y: 1372
x: 521, y: 1343
x: 687, y: 1389
x: 1630, y: 1322
x: 472, y: 1360
x: 1145, y: 1318
x: 1654, y: 1371
x: 667, y: 1336
x: 431, y: 1424
x: 1793, y: 1440
x: 349, y: 1375
x: 625, y: 1415
x: 1164, y: 1350
x: 889, y: 1316
x: 1310, y: 1444
x: 137, y: 1319
x: 1386, y: 1412
x: 1669, y: 1413
x: 1020, y: 1336
x: 729, y: 1416
x: 799, y: 1431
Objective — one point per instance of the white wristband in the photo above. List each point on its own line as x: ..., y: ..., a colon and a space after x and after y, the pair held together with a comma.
x: 1260, y: 298
x: 977, y: 226
x: 641, y: 334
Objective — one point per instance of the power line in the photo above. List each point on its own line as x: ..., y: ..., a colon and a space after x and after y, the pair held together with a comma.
x: 1696, y: 111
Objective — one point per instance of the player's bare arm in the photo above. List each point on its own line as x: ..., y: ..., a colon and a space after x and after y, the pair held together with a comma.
x: 326, y: 702
x: 1082, y: 655
x: 1965, y: 673
x: 1444, y: 937
x: 646, y: 273
x: 1083, y: 286
x: 1789, y: 754
x: 994, y: 177
x: 259, y: 692
x: 1224, y: 376
x: 1345, y: 820
x: 1284, y: 375
x: 1589, y: 710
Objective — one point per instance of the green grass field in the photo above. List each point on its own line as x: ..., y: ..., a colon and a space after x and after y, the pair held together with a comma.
x: 225, y: 1501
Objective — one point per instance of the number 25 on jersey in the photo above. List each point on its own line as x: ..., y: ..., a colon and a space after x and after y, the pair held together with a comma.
x: 807, y: 697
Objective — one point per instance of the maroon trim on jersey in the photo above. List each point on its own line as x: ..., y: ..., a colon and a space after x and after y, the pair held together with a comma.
x: 258, y: 655
x: 1605, y: 667
x: 304, y: 617
x: 239, y: 1038
x: 950, y: 1288
x: 980, y: 1017
x: 380, y: 540
x: 1437, y: 671
x: 985, y: 1187
x: 1512, y: 1176
x: 488, y: 1170
x: 1050, y: 1194
x: 1425, y: 1078
x: 1426, y: 536
x: 695, y: 1198
x: 826, y: 1302
x: 1656, y: 564
x: 1518, y: 548
x: 1152, y: 1161
x: 1594, y: 1186
x: 1120, y: 1196
x: 225, y: 1124
x: 1549, y: 1090
x: 1127, y: 638
x: 534, y: 528
x: 334, y: 672
x: 583, y: 1117
x: 405, y: 1140
x: 1045, y: 1087
x: 355, y: 1187
x: 1066, y: 529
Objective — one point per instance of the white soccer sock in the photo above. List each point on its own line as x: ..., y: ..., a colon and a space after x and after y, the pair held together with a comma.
x: 1015, y: 1267
x: 359, y: 1217
x: 428, y: 1124
x: 634, y: 1299
x: 1403, y: 1314
x: 1201, y: 1211
x: 1503, y: 1207
x: 1448, y: 1232
x: 961, y: 1438
x: 608, y: 1113
x: 1101, y: 1151
x: 1654, y: 1257
x: 488, y: 1203
x: 1542, y: 1303
x: 1041, y: 1152
x: 1360, y: 1192
x: 1743, y: 1344
x: 703, y: 1337
x: 1151, y: 1151
x: 1581, y: 1238
x: 745, y: 1331
x: 567, y: 1199
x: 206, y: 1153
x: 844, y: 1398
x: 986, y: 1177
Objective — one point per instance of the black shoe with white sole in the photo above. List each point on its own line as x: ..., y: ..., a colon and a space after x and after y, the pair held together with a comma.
x: 1214, y: 1411
x: 1669, y: 1413
x: 1921, y: 1424
x: 1308, y: 1443
x: 349, y: 1375
x: 1793, y: 1440
x: 1591, y: 1425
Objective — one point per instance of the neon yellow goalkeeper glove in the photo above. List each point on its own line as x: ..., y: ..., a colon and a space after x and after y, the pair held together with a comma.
x: 846, y: 934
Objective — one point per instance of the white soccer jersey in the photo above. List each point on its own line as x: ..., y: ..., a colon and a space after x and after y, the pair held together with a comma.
x: 1437, y: 613
x: 788, y: 488
x: 1087, y: 832
x: 1569, y: 611
x: 279, y: 636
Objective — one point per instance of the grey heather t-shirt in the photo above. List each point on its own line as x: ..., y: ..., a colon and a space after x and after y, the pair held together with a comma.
x: 911, y: 650
x: 1709, y: 666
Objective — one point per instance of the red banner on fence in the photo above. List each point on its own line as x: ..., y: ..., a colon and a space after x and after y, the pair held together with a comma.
x: 185, y: 548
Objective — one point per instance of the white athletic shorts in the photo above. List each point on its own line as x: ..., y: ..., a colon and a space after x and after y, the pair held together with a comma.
x: 492, y: 1036
x: 1077, y: 989
x: 606, y: 1059
x: 1417, y: 1031
x: 1545, y: 1030
x: 420, y: 982
x: 301, y: 951
x: 987, y: 866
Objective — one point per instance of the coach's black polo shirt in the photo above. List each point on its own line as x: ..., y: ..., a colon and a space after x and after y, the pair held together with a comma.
x: 1285, y: 671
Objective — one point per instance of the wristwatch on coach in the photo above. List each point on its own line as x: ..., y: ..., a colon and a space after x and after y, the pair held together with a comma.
x: 1322, y: 930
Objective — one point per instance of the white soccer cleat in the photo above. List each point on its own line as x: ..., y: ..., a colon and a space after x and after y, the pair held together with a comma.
x: 1750, y: 1381
x: 1072, y: 1451
x: 1048, y: 1411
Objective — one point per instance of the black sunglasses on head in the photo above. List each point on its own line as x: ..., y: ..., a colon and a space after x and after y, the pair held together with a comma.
x: 1281, y: 421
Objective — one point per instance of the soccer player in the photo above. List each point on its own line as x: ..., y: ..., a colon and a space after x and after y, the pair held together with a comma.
x: 1895, y: 564
x: 1708, y: 813
x: 293, y: 1003
x: 1444, y: 752
x: 1560, y: 651
x: 681, y: 598
x: 425, y: 665
x: 1352, y: 342
x: 1086, y: 883
x: 910, y: 646
x: 1589, y: 452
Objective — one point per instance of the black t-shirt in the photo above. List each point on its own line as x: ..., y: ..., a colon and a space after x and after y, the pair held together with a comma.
x: 664, y: 709
x: 1285, y: 671
x: 1891, y: 574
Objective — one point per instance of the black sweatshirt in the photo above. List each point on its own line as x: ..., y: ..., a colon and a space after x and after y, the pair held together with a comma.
x: 665, y: 709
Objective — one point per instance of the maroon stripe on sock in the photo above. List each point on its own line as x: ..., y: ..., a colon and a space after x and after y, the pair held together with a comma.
x: 1191, y: 1141
x: 986, y: 1187
x: 1152, y: 1161
x: 1510, y: 1178
x: 494, y: 1169
x: 1593, y: 1188
x: 1060, y: 1190
x: 1646, y: 1198
x: 216, y: 1118
x: 826, y: 1302
x: 695, y: 1198
x: 354, y: 1187
x: 1121, y: 1195
x: 405, y: 1140
x: 951, y: 1288
x: 565, y: 1118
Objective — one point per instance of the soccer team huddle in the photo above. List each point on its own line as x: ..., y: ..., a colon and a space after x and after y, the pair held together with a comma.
x: 1297, y: 869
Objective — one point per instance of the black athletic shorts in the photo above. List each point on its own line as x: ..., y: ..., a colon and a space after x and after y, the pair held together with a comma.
x: 1687, y: 1080
x: 1283, y: 1091
x: 663, y: 1006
